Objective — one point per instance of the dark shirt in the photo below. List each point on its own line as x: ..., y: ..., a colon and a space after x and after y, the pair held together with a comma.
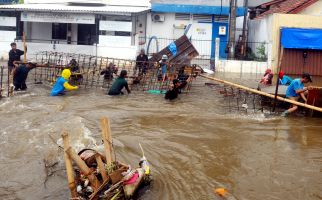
x: 172, y: 94
x: 21, y: 75
x: 14, y: 56
x: 108, y: 73
x: 142, y: 61
x: 117, y: 87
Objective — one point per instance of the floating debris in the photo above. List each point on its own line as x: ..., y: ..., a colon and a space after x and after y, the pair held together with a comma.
x: 98, y: 175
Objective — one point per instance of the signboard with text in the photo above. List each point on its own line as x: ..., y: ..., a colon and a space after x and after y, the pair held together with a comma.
x: 116, y: 26
x: 72, y: 18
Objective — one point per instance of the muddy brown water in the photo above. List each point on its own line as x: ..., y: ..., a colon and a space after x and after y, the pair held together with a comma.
x: 193, y: 144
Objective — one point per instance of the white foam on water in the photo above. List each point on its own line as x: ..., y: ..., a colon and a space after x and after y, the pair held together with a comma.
x: 4, y: 103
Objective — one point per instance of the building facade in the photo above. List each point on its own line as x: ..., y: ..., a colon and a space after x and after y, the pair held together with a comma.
x: 101, y: 28
x: 203, y: 21
x: 307, y: 14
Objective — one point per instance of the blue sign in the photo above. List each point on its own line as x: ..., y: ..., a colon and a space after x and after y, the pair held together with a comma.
x: 8, y: 1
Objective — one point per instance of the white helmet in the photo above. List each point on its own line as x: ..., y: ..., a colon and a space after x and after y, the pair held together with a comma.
x: 164, y: 57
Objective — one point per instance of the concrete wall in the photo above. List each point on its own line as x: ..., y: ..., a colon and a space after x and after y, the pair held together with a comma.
x: 259, y: 31
x: 290, y: 20
x: 165, y: 29
x: 6, y: 37
x: 237, y: 66
x: 128, y: 52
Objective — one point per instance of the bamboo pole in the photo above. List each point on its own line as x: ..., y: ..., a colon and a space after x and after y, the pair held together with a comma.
x: 278, y: 78
x: 106, y: 135
x: 69, y: 167
x: 101, y: 167
x: 24, y: 47
x: 264, y: 93
x: 84, y: 168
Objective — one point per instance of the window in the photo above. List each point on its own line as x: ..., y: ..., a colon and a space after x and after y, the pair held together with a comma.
x: 202, y: 18
x: 182, y: 16
x: 59, y: 31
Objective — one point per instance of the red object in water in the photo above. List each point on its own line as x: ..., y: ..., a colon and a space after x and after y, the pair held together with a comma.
x: 132, y: 179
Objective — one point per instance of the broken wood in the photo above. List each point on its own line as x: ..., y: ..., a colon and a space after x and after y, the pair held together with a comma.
x: 101, y: 167
x: 84, y: 168
x: 69, y: 167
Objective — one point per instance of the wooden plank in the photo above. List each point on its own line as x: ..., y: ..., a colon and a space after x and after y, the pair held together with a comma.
x: 264, y: 93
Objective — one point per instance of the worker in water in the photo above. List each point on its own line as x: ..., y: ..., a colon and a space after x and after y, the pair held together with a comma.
x: 20, y: 74
x: 108, y: 73
x: 14, y: 55
x: 62, y: 84
x: 163, y: 66
x: 296, y: 90
x: 174, y: 90
x: 267, y: 78
x: 119, y: 84
x: 142, y: 62
x: 76, y: 77
x: 284, y: 80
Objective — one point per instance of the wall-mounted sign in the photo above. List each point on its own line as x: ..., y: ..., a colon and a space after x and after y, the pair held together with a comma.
x: 116, y: 26
x: 72, y: 18
x: 222, y: 30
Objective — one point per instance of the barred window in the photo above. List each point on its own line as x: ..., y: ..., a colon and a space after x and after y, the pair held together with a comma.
x: 182, y: 16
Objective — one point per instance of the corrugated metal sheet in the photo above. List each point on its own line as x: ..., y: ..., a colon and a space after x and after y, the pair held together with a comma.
x: 294, y: 63
x: 76, y: 9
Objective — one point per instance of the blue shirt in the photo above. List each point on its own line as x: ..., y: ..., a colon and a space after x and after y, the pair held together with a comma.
x: 286, y: 80
x: 164, y: 68
x: 58, y: 88
x: 296, y: 84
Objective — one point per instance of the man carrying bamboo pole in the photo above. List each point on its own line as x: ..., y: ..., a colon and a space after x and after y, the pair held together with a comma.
x: 296, y: 90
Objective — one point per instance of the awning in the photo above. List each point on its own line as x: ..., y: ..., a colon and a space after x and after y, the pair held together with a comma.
x: 107, y: 9
x: 297, y: 38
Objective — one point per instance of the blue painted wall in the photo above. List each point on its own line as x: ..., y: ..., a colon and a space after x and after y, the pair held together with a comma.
x: 195, y: 9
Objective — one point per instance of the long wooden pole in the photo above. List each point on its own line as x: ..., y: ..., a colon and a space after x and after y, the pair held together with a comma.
x: 106, y: 135
x: 263, y: 93
x: 278, y: 78
x: 101, y: 166
x: 69, y: 167
x: 24, y: 47
x: 84, y: 168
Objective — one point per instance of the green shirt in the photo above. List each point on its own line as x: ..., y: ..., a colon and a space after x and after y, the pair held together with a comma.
x: 117, y: 87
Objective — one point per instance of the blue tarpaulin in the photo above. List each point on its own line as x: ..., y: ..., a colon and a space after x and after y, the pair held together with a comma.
x: 173, y: 48
x: 297, y: 38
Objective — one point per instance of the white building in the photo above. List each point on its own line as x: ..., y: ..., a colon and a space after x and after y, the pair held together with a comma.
x: 203, y: 21
x: 103, y: 28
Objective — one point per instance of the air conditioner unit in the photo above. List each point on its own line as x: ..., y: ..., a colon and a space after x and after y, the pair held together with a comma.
x: 158, y: 18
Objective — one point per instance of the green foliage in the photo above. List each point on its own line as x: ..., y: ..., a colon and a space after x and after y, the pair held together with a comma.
x: 261, y: 52
x: 21, y: 1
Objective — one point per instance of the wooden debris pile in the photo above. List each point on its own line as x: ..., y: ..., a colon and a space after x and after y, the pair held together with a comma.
x: 99, y: 176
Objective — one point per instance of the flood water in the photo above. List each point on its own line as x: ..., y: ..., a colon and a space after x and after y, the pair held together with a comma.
x: 193, y: 144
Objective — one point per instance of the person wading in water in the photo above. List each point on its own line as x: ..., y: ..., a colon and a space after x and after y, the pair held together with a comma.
x: 119, y: 84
